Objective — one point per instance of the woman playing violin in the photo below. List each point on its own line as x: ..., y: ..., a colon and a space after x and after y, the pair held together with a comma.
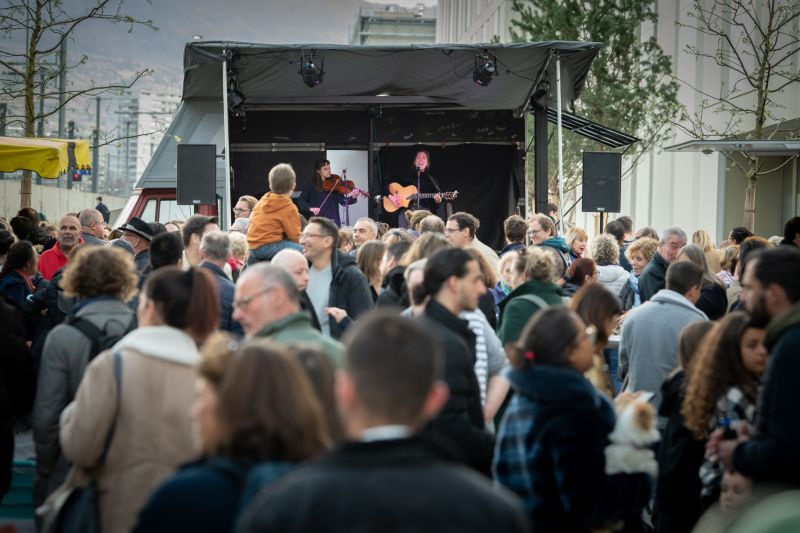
x: 324, y: 193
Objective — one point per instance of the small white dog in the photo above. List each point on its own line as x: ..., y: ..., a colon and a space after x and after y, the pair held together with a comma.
x: 634, y: 432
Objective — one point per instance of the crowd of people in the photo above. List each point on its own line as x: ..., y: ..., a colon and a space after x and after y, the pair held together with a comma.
x: 285, y: 375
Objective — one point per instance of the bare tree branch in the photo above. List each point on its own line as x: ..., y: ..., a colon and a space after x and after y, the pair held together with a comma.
x: 770, y: 171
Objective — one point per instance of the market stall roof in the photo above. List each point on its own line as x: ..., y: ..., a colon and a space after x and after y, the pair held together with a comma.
x: 776, y: 147
x: 49, y: 158
x: 431, y: 76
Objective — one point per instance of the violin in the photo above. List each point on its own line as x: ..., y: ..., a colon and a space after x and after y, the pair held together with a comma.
x: 342, y: 185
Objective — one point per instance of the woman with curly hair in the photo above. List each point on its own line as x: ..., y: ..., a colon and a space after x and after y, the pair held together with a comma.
x: 605, y: 253
x: 534, y: 290
x: 723, y: 386
x: 101, y: 279
x: 257, y: 417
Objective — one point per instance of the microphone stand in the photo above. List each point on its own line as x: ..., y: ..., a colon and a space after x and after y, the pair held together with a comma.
x: 419, y: 191
x: 347, y: 200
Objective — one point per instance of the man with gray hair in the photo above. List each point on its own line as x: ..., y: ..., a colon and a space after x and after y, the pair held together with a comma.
x: 267, y: 304
x: 91, y: 226
x: 365, y: 229
x: 653, y: 276
x: 215, y: 249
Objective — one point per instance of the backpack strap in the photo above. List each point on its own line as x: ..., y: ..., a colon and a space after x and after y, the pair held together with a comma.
x: 90, y: 331
x: 538, y: 301
x: 118, y: 379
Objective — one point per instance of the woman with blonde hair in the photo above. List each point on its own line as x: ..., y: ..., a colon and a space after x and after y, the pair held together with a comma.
x: 639, y: 253
x: 101, y: 279
x: 257, y: 417
x: 713, y: 256
x: 128, y: 426
x: 533, y: 274
x: 723, y: 384
x: 576, y: 240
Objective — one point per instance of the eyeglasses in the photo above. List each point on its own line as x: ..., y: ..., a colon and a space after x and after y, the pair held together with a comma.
x: 532, y: 232
x: 451, y: 230
x: 245, y: 301
x: 305, y: 235
x: 238, y: 210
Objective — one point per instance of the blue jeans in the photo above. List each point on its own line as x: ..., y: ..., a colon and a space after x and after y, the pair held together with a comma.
x: 612, y: 358
x: 266, y: 252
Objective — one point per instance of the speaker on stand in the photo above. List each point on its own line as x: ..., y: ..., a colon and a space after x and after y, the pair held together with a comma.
x: 602, y: 182
x: 197, y: 174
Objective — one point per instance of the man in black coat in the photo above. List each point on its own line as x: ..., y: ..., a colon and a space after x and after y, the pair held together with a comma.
x: 771, y: 286
x: 335, y: 280
x: 454, y: 283
x: 215, y: 249
x: 386, y: 479
x: 653, y: 277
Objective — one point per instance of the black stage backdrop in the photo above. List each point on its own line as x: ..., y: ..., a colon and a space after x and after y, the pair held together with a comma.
x: 484, y: 175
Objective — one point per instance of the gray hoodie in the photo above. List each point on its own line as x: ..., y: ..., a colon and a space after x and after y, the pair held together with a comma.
x: 648, y: 349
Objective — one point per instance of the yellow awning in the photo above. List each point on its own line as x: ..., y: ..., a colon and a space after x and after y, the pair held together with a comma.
x: 49, y: 158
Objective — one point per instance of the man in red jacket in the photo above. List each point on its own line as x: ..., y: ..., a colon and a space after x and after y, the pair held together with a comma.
x: 69, y: 231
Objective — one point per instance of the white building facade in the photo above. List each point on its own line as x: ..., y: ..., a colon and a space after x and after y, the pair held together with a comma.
x: 690, y: 190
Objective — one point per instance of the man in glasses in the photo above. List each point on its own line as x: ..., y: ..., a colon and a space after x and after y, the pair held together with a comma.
x: 334, y: 280
x: 267, y: 304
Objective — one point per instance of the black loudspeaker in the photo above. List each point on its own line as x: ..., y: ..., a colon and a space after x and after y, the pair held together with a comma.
x: 602, y: 173
x: 197, y: 174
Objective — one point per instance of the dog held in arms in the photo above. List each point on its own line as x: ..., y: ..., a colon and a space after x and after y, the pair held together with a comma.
x: 634, y: 433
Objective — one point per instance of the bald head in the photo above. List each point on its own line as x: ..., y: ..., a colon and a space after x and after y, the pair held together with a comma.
x: 69, y: 231
x: 295, y: 264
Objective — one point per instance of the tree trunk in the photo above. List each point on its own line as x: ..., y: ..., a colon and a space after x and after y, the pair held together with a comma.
x: 25, y: 189
x: 750, y: 202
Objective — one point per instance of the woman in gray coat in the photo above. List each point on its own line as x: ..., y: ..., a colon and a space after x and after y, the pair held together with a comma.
x: 102, y: 278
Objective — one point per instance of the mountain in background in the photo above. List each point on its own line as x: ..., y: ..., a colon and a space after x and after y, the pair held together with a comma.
x: 114, y: 54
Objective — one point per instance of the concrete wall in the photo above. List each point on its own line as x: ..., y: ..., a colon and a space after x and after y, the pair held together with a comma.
x: 52, y: 201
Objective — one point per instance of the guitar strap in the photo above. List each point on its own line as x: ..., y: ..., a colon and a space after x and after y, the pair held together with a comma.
x: 434, y: 182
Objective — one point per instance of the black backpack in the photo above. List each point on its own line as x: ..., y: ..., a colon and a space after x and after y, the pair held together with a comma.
x: 101, y: 340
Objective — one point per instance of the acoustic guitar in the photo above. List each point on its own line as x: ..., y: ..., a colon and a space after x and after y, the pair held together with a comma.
x: 405, y: 195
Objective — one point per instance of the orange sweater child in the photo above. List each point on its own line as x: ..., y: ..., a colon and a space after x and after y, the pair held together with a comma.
x: 274, y: 221
x: 274, y: 218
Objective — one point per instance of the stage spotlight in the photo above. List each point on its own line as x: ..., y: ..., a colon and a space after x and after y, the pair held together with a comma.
x: 235, y: 98
x: 310, y: 72
x: 485, y: 69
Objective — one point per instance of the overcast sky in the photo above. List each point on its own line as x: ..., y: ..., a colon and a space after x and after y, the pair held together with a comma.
x: 114, y: 51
